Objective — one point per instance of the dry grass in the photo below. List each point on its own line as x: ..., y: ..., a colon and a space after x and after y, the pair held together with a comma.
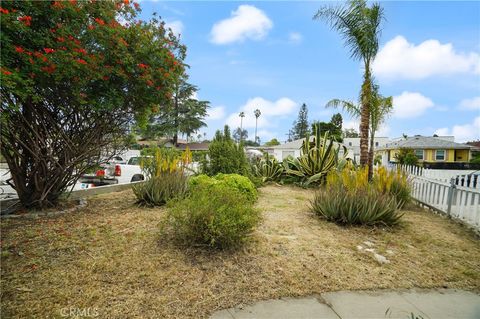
x: 111, y: 256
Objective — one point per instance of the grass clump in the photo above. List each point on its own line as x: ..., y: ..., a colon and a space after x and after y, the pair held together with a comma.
x: 166, y: 177
x: 213, y: 216
x: 361, y: 208
x: 349, y: 198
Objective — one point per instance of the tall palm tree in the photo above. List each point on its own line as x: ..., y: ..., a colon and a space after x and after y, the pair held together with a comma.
x: 242, y: 115
x: 380, y: 108
x: 359, y: 25
x: 257, y: 115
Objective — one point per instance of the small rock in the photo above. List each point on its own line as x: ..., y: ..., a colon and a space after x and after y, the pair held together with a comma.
x: 82, y: 202
x: 389, y: 252
x: 370, y: 250
x: 368, y: 243
x: 360, y: 248
x: 381, y: 259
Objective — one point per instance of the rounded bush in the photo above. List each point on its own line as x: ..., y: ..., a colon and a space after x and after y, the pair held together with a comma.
x: 232, y: 181
x: 212, y: 215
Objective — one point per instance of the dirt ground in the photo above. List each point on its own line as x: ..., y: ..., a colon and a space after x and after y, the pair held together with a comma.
x: 110, y: 260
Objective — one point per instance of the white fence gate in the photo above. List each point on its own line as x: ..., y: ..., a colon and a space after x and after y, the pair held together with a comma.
x: 447, y: 195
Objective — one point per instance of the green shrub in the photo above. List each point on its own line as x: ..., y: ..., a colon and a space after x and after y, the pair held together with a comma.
x: 212, y: 215
x: 232, y: 181
x: 159, y: 189
x: 356, y: 208
x: 225, y: 156
x: 406, y: 156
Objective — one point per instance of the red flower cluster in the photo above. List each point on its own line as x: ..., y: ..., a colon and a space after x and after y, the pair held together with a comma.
x: 49, y: 69
x: 57, y: 5
x: 83, y: 51
x: 142, y: 66
x: 61, y: 39
x: 81, y: 61
x: 4, y: 11
x: 126, y: 2
x: 6, y: 72
x: 27, y: 20
x: 136, y: 5
x: 99, y: 21
x: 48, y: 50
x: 149, y: 83
x: 91, y: 27
x: 19, y: 49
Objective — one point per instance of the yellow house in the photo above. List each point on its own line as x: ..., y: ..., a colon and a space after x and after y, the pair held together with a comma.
x: 428, y: 150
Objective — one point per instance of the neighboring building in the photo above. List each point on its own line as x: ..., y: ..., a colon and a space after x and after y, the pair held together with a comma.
x: 282, y: 151
x: 353, y: 145
x: 194, y: 146
x: 428, y: 149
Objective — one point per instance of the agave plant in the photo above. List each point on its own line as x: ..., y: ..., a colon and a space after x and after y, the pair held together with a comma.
x: 268, y: 168
x: 316, y: 160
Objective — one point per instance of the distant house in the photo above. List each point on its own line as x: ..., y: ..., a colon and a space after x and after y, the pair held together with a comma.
x: 353, y: 145
x: 292, y: 148
x: 429, y: 150
x: 194, y: 146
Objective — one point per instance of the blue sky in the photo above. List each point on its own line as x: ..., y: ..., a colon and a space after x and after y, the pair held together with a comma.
x: 273, y: 56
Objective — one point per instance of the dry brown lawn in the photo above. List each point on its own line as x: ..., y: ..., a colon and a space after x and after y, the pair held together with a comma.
x: 111, y: 257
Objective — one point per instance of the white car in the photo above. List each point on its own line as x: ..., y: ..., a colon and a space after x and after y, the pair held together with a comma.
x: 114, y: 173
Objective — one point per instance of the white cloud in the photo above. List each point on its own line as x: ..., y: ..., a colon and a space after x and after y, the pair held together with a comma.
x: 463, y: 133
x: 410, y: 104
x: 270, y: 111
x: 247, y: 22
x: 176, y: 26
x: 295, y: 37
x: 216, y: 113
x: 351, y: 124
x: 401, y: 59
x: 470, y: 104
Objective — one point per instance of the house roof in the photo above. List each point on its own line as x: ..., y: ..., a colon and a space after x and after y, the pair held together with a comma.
x: 194, y: 146
x: 296, y: 144
x: 422, y: 142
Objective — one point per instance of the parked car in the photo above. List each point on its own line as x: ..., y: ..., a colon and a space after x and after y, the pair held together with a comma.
x: 114, y: 173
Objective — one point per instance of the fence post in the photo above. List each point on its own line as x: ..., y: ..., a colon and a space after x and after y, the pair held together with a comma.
x: 450, y: 196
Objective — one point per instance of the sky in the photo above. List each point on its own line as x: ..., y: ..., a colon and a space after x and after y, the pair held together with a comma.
x: 273, y: 56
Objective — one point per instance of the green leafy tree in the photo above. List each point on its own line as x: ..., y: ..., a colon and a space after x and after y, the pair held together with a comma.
x: 181, y: 115
x: 74, y: 76
x: 406, y: 156
x: 350, y: 132
x: 272, y: 142
x: 360, y: 26
x: 300, y: 126
x: 380, y: 108
x: 334, y: 127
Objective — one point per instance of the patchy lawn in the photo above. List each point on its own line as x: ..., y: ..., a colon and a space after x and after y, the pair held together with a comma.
x: 110, y: 257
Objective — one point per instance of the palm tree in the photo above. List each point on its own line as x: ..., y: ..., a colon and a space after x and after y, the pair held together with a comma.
x: 360, y: 27
x: 379, y: 110
x: 242, y: 115
x: 257, y: 115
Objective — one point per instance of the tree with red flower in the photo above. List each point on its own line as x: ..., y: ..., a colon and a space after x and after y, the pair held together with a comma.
x: 66, y: 103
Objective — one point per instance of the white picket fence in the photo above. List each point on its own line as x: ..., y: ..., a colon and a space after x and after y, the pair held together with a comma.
x: 464, y: 178
x: 447, y: 196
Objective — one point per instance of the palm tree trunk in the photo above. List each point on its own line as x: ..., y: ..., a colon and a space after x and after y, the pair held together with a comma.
x: 256, y: 121
x: 365, y: 118
x: 241, y: 128
x: 371, y: 152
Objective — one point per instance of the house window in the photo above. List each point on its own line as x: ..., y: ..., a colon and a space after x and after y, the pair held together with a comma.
x: 376, y: 144
x: 440, y: 155
x: 349, y: 143
x: 419, y: 154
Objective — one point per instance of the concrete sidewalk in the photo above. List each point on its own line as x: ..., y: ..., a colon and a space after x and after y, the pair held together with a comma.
x: 412, y: 304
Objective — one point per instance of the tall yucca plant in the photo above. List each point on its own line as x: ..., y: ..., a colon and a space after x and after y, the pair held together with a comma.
x: 316, y: 160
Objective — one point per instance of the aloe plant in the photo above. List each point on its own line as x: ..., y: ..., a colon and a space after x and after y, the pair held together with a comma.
x: 316, y: 160
x: 268, y: 168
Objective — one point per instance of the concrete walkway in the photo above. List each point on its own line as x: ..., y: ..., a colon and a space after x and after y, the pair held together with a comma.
x: 412, y: 304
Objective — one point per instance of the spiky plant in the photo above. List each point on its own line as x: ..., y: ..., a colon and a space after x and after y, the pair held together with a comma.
x: 269, y: 169
x: 317, y: 158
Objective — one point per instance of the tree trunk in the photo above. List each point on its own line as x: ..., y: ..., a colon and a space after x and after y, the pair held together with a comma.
x: 370, y: 154
x: 365, y: 118
x: 175, y: 122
